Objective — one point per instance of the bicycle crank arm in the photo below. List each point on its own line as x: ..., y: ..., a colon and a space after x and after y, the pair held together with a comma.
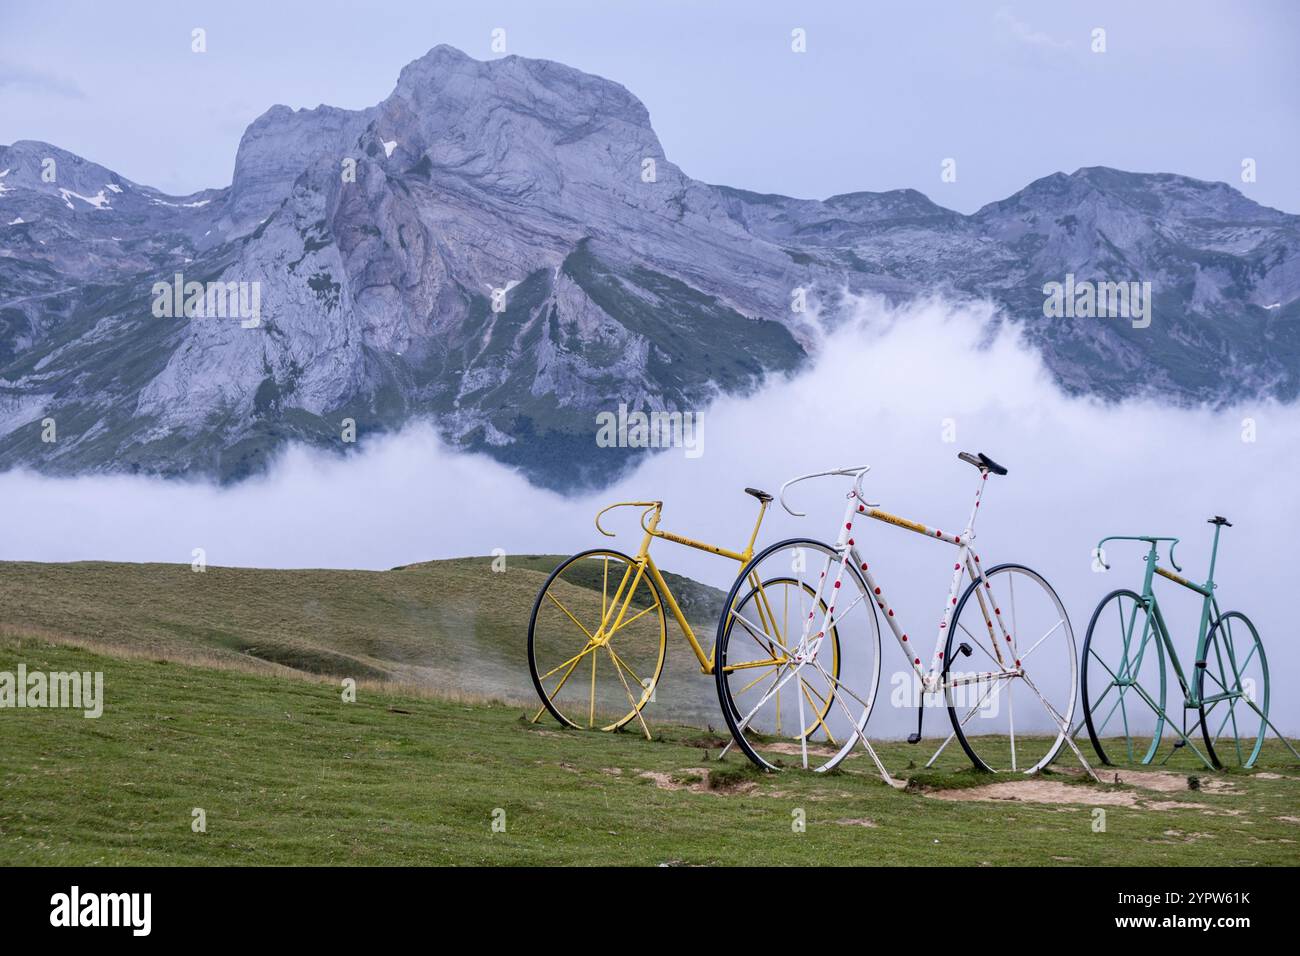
x: 962, y: 648
x: 920, y: 720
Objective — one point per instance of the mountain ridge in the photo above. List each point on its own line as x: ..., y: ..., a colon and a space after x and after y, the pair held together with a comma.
x: 619, y: 279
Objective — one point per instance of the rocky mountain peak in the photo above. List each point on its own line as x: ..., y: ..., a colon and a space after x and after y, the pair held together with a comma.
x: 500, y: 263
x: 546, y: 90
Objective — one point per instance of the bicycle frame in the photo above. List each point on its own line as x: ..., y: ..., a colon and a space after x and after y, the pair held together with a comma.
x: 934, y: 675
x: 1209, y: 606
x: 644, y: 563
x: 1209, y: 613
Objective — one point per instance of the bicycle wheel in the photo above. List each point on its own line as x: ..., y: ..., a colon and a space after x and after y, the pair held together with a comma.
x: 1235, y: 677
x: 765, y: 615
x: 1018, y: 630
x: 597, y: 640
x: 1124, y: 680
x: 792, y: 690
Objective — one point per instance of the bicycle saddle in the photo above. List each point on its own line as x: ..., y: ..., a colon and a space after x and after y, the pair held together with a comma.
x: 760, y: 495
x: 1219, y: 519
x: 983, y: 462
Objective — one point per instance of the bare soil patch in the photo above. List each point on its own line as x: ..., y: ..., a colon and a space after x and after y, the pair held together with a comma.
x: 794, y: 750
x: 1165, y: 781
x: 1054, y: 792
x: 696, y: 780
x: 1039, y: 791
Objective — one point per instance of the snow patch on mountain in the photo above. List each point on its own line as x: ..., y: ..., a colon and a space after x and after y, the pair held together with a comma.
x: 99, y: 200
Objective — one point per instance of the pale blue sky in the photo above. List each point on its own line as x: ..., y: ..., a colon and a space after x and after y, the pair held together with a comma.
x: 883, y: 95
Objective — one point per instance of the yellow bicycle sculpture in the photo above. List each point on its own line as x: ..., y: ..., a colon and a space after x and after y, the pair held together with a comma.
x: 598, y: 634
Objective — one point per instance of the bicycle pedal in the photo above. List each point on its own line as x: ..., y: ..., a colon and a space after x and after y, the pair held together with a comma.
x: 1201, y: 664
x: 964, y: 648
x: 920, y: 723
x: 1179, y: 743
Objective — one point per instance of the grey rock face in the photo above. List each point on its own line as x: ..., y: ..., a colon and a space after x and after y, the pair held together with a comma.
x: 380, y: 240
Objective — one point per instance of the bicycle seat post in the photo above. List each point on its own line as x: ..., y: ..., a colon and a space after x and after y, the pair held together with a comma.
x: 764, y: 499
x: 1219, y: 523
x: 986, y: 467
x: 974, y: 510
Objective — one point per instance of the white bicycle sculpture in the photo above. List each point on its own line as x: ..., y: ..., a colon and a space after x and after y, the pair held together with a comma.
x: 820, y: 604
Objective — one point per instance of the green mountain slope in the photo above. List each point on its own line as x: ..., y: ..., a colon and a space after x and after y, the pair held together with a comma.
x: 452, y: 627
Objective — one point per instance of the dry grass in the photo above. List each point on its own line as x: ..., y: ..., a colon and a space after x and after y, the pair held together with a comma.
x: 197, y: 657
x: 455, y: 629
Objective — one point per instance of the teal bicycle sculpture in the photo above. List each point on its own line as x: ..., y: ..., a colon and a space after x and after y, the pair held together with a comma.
x: 1124, y: 672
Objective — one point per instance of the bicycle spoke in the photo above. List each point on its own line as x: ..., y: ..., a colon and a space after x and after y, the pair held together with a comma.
x: 570, y: 615
x: 572, y: 660
x: 628, y: 690
x: 858, y: 726
x: 1118, y: 703
x: 1150, y: 636
x: 564, y: 680
x: 953, y: 735
x: 634, y: 617
x: 982, y: 648
x: 803, y: 731
x: 608, y: 615
x: 604, y: 591
x: 777, y: 685
x: 1268, y: 723
x: 1210, y: 674
x: 1011, y: 713
x: 837, y: 618
x: 756, y: 679
x: 768, y: 647
x: 754, y: 630
x: 1209, y: 710
x: 804, y: 685
x: 764, y: 606
x: 1178, y: 730
x: 1128, y: 736
x: 1054, y: 628
x: 1104, y: 693
x: 775, y: 675
x: 1236, y: 732
x: 1097, y: 657
x: 995, y: 688
x: 1218, y: 654
x: 840, y: 686
x: 1064, y: 725
x: 624, y: 664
